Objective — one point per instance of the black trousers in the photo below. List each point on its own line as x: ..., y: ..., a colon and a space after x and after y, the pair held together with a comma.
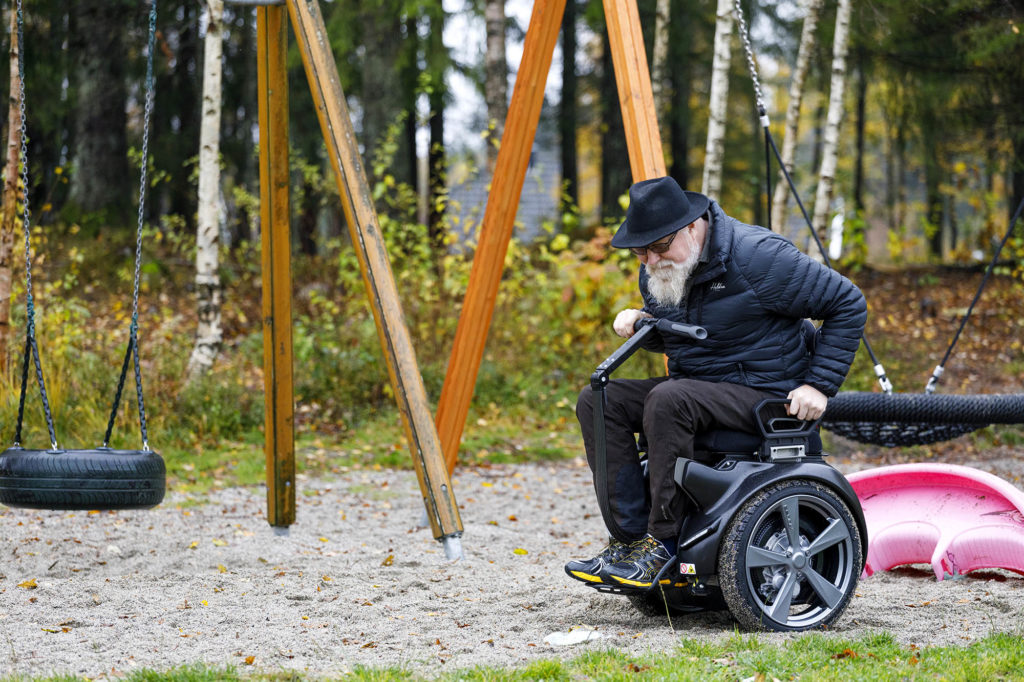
x: 669, y: 411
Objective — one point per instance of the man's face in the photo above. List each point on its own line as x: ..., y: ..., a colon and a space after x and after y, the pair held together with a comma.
x: 669, y: 272
x: 681, y: 247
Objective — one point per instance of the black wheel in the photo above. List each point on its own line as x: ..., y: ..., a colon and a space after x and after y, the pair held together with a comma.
x: 790, y: 559
x: 81, y: 479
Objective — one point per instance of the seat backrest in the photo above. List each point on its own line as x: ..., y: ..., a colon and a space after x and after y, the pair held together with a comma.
x: 724, y: 442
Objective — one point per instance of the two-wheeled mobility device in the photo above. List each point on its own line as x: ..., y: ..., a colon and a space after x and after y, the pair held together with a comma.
x: 775, y: 534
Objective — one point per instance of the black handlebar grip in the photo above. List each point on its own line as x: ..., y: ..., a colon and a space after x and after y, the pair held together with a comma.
x: 690, y: 330
x: 670, y: 327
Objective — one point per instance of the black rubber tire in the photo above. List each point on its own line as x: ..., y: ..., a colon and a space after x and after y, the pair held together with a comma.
x: 99, y: 479
x: 757, y: 522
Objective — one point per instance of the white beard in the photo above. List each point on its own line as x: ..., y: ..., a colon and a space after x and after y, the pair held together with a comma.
x: 669, y: 282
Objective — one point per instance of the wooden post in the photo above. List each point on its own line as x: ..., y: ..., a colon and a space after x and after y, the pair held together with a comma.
x: 496, y: 228
x: 646, y: 158
x: 406, y: 380
x: 279, y: 443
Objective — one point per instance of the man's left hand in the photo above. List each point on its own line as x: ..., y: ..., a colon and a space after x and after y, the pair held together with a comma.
x: 807, y: 403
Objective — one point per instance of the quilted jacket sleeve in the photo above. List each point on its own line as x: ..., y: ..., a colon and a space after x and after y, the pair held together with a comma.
x: 788, y: 282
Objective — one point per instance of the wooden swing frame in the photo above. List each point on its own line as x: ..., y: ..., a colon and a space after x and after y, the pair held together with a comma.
x: 433, y: 445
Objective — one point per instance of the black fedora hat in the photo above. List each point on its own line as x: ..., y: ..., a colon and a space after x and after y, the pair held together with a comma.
x: 657, y: 208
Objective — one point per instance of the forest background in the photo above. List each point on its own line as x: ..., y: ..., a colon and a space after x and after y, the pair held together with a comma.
x: 930, y: 166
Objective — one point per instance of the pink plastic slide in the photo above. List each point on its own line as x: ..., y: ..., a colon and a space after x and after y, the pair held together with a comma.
x: 956, y: 518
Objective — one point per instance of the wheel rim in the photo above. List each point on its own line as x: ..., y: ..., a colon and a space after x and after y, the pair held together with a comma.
x: 799, y: 561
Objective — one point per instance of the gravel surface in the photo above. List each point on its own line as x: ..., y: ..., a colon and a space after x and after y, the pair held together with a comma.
x: 355, y: 581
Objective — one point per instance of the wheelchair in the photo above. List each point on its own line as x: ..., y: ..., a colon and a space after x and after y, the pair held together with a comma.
x: 775, y: 534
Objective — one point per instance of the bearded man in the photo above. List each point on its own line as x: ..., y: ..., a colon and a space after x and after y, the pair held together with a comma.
x: 753, y: 291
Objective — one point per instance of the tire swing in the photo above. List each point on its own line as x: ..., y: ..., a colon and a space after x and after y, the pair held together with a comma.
x: 100, y: 478
x: 892, y: 419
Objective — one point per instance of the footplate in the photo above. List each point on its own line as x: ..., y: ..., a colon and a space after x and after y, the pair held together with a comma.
x: 665, y: 578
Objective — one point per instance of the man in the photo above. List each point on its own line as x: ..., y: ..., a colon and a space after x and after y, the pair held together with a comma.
x: 752, y: 290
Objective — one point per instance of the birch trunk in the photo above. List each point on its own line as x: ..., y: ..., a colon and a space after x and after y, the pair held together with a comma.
x: 209, y: 333
x: 830, y: 149
x: 9, y: 220
x: 808, y: 35
x: 715, y: 149
x: 495, y: 79
x: 659, y: 62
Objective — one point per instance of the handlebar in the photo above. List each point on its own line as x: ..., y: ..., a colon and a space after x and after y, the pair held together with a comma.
x: 669, y: 327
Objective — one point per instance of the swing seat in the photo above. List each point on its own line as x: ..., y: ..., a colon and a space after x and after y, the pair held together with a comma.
x: 97, y: 479
x: 893, y: 420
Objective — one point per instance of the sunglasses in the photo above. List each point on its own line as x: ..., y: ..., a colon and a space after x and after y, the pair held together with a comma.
x: 657, y: 247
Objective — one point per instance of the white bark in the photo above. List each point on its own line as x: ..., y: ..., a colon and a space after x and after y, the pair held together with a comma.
x: 812, y: 9
x: 209, y: 333
x: 714, y: 152
x: 659, y: 61
x: 830, y: 148
x: 496, y: 79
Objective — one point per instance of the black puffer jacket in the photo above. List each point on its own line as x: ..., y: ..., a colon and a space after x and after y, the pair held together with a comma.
x: 752, y: 297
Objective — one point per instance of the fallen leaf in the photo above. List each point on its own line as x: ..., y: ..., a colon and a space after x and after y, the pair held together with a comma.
x: 389, y: 560
x: 520, y: 551
x: 217, y: 542
x: 29, y: 584
x: 221, y: 568
x: 846, y: 653
x: 249, y: 660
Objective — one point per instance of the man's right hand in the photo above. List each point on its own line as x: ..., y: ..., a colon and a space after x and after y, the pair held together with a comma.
x: 625, y: 320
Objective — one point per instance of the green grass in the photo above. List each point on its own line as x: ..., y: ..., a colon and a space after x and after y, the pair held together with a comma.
x: 808, y: 658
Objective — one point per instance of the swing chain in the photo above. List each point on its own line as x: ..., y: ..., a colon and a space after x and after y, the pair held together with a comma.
x: 762, y: 110
x: 133, y: 335
x: 31, y: 349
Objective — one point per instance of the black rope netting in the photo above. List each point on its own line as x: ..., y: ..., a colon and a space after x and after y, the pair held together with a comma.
x: 893, y: 420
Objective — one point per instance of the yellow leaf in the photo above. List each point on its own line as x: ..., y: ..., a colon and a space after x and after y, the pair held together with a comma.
x: 323, y: 539
x: 221, y: 568
x: 326, y: 578
x: 219, y: 543
x: 249, y: 660
x: 203, y: 602
x: 390, y: 560
x: 29, y: 584
x: 520, y: 551
x: 194, y: 545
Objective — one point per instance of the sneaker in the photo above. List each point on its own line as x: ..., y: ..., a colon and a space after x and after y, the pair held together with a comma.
x: 588, y: 570
x: 640, y: 567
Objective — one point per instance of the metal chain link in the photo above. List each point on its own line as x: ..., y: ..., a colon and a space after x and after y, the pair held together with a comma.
x: 133, y: 346
x: 150, y: 92
x: 133, y: 334
x: 30, y: 342
x: 751, y: 64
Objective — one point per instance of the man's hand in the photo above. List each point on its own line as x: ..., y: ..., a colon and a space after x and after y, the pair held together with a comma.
x: 806, y: 403
x: 624, y: 321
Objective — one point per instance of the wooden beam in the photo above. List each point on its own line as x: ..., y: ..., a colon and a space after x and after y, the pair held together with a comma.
x: 498, y: 221
x: 279, y: 443
x: 646, y: 157
x: 361, y: 216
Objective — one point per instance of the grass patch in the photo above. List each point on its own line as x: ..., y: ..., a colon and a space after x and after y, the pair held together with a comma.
x: 809, y: 657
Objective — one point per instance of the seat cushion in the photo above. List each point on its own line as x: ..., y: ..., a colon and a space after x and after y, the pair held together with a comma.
x: 721, y: 440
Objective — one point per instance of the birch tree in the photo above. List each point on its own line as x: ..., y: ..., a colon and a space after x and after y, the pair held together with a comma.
x: 812, y: 10
x: 209, y: 333
x: 495, y: 79
x: 711, y: 184
x: 659, y: 62
x: 830, y: 148
x: 9, y: 220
